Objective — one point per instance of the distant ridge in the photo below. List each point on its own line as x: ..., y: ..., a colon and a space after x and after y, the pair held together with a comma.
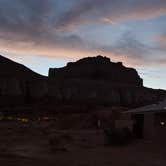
x: 9, y: 68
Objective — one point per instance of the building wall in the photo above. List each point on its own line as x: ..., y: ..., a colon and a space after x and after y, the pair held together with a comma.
x: 153, y: 130
x: 149, y: 129
x: 160, y: 129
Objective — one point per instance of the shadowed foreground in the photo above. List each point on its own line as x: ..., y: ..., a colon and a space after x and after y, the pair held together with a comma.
x: 40, y: 144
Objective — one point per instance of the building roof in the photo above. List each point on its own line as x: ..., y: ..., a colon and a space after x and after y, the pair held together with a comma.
x: 157, y: 107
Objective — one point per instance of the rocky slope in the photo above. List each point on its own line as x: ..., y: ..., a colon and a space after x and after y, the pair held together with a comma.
x: 11, y: 69
x: 17, y: 82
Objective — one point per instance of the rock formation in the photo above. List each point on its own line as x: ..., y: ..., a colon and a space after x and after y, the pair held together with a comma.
x: 100, y: 69
x: 11, y: 69
x: 17, y: 82
x: 95, y: 81
x: 98, y: 80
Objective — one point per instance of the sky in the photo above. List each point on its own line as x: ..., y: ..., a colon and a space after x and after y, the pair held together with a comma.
x: 49, y: 33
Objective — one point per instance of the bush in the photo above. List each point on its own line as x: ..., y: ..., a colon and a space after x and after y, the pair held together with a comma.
x: 118, y: 136
x: 59, y: 142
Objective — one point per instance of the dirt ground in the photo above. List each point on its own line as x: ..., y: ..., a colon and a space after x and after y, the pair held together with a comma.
x: 41, y: 144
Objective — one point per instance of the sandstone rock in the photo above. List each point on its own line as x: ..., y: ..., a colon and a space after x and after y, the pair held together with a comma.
x: 17, y: 81
x: 98, y: 68
x: 98, y: 80
x: 10, y: 87
x: 38, y: 88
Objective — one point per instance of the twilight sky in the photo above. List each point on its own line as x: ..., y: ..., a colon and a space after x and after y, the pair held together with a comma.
x: 48, y: 33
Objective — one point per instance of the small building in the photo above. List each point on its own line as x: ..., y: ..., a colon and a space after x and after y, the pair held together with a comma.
x: 149, y: 122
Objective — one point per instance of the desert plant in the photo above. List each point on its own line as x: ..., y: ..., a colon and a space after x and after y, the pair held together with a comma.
x: 118, y: 136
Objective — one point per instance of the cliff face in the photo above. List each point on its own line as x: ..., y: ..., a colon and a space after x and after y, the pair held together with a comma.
x: 97, y: 81
x: 102, y: 93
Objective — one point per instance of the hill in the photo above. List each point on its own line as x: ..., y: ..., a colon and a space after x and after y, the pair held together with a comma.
x: 9, y: 69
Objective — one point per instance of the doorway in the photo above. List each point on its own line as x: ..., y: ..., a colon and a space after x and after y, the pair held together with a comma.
x: 138, y: 125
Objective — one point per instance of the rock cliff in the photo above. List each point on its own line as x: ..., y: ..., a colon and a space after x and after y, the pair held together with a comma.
x: 11, y: 69
x: 17, y: 82
x: 95, y: 81
x: 100, y: 69
x: 98, y: 80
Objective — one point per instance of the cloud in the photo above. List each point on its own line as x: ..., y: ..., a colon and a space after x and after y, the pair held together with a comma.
x: 42, y: 27
x: 39, y: 18
x: 113, y: 10
x: 28, y: 17
x: 162, y: 39
x: 128, y: 48
x: 160, y: 42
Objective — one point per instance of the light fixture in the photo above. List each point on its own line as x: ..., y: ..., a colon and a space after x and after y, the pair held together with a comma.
x: 162, y: 123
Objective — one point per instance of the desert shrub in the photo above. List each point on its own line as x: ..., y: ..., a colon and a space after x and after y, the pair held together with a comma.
x: 118, y: 136
x: 55, y: 143
x: 59, y: 142
x: 67, y: 138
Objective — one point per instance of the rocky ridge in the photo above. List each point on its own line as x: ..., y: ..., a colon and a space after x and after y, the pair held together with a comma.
x: 96, y: 81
